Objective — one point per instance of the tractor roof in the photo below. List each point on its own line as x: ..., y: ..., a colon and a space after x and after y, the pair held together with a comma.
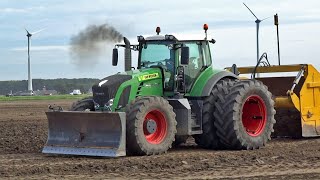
x: 156, y: 37
x: 172, y: 37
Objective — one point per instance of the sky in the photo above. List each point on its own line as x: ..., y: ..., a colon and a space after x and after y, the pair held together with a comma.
x: 230, y: 24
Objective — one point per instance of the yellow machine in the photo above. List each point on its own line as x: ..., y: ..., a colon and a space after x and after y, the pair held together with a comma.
x: 300, y: 93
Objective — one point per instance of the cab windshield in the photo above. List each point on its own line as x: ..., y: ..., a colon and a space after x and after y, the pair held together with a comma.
x: 156, y: 54
x: 160, y: 54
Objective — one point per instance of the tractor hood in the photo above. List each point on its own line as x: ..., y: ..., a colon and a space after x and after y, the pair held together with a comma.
x: 123, y: 83
x: 107, y: 88
x: 138, y: 73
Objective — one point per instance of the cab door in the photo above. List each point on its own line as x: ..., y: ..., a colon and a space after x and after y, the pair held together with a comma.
x: 196, y: 63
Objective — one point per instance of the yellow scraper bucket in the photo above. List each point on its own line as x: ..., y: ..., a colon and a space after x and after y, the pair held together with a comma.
x: 86, y: 133
x: 297, y: 98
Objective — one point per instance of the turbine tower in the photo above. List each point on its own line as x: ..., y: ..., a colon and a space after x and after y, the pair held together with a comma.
x: 258, y: 21
x: 30, y: 89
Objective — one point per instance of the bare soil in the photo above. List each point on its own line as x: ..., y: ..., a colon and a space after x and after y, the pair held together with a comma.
x: 23, y: 131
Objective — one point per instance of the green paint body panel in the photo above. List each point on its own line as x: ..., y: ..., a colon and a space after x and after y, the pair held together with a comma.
x: 144, y: 82
x: 196, y: 90
x: 154, y: 85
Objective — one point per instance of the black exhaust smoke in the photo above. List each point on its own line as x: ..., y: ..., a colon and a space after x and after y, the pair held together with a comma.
x: 90, y: 44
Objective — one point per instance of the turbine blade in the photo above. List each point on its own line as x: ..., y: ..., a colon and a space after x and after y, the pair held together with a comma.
x: 27, y: 31
x: 38, y: 31
x: 266, y: 18
x: 251, y: 11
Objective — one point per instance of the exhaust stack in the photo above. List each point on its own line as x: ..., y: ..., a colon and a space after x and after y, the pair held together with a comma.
x: 127, y: 55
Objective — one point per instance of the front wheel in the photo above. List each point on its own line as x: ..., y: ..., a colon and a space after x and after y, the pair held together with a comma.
x: 151, y: 126
x: 85, y: 104
x: 245, y: 116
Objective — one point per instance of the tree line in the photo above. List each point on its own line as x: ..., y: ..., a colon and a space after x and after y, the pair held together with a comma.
x: 62, y: 86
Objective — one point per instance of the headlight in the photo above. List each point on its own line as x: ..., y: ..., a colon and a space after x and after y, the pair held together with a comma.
x: 109, y: 103
x: 140, y: 38
x: 96, y: 106
x: 169, y: 37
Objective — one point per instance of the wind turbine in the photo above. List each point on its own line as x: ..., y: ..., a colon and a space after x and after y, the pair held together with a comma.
x: 258, y: 21
x: 30, y: 89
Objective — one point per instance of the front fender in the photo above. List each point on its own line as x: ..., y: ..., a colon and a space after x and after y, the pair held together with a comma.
x: 146, y: 83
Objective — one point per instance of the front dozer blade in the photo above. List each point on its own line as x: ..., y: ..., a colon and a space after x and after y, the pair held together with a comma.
x: 86, y: 133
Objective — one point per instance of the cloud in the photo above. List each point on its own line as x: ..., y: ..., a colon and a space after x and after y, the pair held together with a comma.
x: 13, y: 10
x: 230, y: 23
x: 21, y: 10
x: 42, y: 48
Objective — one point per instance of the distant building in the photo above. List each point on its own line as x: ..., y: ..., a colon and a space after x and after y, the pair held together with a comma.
x: 23, y: 93
x: 76, y: 92
x: 45, y: 92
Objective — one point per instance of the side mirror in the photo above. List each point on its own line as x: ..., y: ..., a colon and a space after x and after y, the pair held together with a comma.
x: 184, y: 55
x: 213, y: 41
x: 115, y: 57
x: 235, y: 70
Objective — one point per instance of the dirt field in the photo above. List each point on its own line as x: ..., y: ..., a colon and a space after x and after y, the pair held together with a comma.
x: 23, y: 129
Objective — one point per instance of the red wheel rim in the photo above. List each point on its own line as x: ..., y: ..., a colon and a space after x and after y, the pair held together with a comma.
x: 254, y: 115
x: 160, y: 132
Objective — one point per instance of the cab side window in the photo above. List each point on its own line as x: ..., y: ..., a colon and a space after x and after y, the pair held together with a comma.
x: 206, y: 54
x: 192, y: 70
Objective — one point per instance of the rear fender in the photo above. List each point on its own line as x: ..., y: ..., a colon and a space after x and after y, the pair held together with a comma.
x: 206, y: 80
x: 214, y: 80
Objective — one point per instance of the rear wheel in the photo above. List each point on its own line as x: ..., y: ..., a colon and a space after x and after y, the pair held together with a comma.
x: 245, y: 116
x: 151, y: 126
x: 85, y: 104
x: 209, y: 139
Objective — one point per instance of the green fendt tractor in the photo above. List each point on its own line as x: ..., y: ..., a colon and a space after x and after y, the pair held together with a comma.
x: 175, y: 92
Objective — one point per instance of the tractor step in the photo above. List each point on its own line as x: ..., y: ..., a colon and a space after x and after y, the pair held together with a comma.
x: 188, y: 116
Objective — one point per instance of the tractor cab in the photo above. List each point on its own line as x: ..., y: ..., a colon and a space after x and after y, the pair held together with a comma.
x: 181, y: 61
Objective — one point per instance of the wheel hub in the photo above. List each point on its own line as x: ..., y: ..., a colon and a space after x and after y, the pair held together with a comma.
x: 155, y: 127
x: 254, y: 115
x: 151, y: 126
